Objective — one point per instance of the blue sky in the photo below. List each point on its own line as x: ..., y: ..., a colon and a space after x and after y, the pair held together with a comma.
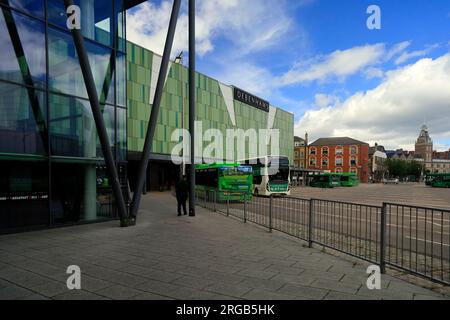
x: 318, y: 59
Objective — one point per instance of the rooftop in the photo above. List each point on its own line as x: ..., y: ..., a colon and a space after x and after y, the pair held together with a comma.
x: 337, y: 141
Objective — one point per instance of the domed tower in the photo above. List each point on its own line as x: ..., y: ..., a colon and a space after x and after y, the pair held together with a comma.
x: 424, y: 146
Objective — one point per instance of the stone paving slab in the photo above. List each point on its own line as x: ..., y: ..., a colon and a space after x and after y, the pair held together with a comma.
x: 169, y: 257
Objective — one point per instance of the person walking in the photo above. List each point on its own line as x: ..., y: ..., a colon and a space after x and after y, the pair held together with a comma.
x: 182, y: 191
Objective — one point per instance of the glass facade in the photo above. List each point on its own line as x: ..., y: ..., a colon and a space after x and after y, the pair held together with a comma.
x: 51, y: 164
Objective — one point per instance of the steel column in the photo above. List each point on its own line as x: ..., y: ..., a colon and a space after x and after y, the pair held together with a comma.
x: 98, y: 116
x: 142, y: 171
x: 192, y: 105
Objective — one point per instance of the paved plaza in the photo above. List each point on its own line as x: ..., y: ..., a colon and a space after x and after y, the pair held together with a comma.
x: 375, y: 194
x: 169, y: 257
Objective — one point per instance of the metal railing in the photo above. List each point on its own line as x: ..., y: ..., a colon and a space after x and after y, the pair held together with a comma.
x: 410, y: 238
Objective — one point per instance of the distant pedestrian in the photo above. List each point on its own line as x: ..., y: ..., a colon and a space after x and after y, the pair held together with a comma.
x: 181, y: 189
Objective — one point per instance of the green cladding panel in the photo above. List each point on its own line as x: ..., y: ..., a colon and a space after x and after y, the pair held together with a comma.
x: 211, y: 108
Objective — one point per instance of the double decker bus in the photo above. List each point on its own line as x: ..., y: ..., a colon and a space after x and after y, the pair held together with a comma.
x: 325, y: 180
x: 438, y: 180
x: 349, y: 179
x: 271, y: 175
x: 230, y: 181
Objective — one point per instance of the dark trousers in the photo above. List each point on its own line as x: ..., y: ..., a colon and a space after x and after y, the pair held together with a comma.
x: 182, y: 204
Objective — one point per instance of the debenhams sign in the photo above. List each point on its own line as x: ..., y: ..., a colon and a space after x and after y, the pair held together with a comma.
x: 250, y: 99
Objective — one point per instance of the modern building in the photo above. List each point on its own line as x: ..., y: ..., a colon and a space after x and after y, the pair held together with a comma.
x: 219, y: 106
x: 340, y: 154
x: 52, y: 168
x: 377, y: 163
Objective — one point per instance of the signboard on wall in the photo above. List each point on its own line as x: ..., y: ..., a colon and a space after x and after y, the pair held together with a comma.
x: 254, y: 101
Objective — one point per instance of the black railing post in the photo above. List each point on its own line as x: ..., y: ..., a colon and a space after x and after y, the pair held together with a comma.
x: 245, y: 208
x: 383, y: 238
x: 146, y: 152
x: 270, y: 212
x: 311, y: 223
x: 228, y: 204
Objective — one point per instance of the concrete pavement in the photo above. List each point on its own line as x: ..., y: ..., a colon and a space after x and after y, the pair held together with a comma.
x: 169, y: 257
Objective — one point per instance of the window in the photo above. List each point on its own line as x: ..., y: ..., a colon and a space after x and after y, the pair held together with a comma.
x: 72, y: 128
x: 325, y: 151
x: 339, y: 150
x: 353, y: 150
x: 22, y: 124
x: 353, y: 161
x: 325, y: 162
x: 97, y: 26
x: 312, y: 162
x: 312, y: 151
x: 353, y: 170
x: 302, y: 154
x: 338, y: 170
x: 339, y: 162
x: 65, y: 72
x: 25, y: 64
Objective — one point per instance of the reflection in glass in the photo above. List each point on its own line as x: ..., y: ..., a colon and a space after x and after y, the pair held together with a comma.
x: 33, y: 7
x: 22, y: 54
x: 121, y: 79
x: 72, y: 128
x: 80, y: 192
x: 65, y: 73
x: 22, y: 123
x: 122, y: 134
x: 23, y: 193
x: 96, y: 18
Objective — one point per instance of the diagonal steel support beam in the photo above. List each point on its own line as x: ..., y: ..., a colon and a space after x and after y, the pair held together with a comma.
x: 98, y: 116
x: 155, y: 111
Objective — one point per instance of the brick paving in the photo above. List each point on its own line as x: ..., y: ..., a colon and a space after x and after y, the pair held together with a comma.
x: 169, y: 257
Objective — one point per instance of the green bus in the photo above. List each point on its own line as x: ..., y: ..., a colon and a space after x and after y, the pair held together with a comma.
x: 325, y: 180
x: 349, y: 179
x: 230, y: 181
x: 438, y: 180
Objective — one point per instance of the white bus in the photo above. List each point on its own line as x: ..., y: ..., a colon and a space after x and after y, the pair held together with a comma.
x: 271, y: 175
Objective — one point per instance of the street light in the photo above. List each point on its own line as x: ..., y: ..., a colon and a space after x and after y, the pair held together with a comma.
x: 179, y: 60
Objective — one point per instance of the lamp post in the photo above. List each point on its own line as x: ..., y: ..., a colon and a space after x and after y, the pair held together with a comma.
x: 179, y: 60
x: 192, y: 105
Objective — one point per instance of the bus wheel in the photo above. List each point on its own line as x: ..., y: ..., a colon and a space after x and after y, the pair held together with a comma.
x: 256, y: 192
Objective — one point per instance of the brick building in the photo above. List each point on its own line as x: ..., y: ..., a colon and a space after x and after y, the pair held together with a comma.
x: 341, y: 154
x: 300, y: 153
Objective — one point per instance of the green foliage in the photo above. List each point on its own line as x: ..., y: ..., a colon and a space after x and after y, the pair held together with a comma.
x: 402, y: 168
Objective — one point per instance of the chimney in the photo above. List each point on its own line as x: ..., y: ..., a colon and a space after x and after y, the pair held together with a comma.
x: 306, y: 138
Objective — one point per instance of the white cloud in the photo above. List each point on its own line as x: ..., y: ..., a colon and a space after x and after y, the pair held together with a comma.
x: 397, y: 49
x: 324, y: 100
x: 406, y: 56
x: 339, y: 64
x: 250, y: 25
x: 392, y: 113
